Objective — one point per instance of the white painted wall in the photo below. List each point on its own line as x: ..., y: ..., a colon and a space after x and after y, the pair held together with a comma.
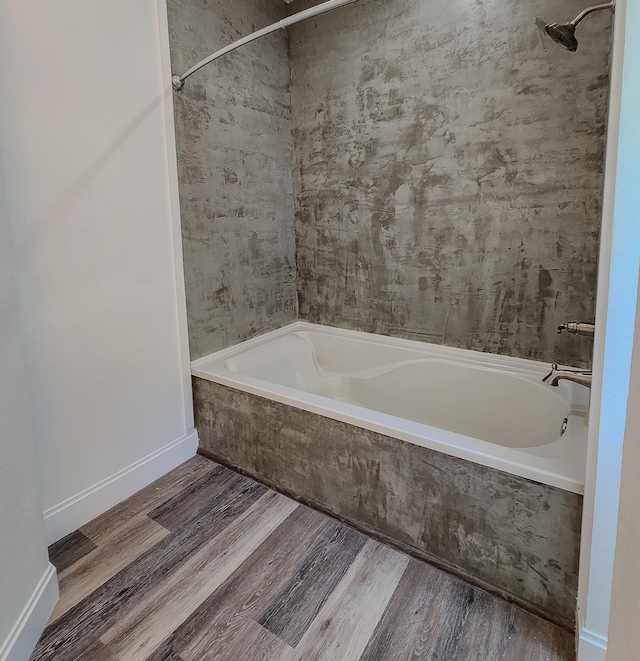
x: 86, y: 136
x: 613, y: 397
x: 624, y: 633
x: 28, y: 589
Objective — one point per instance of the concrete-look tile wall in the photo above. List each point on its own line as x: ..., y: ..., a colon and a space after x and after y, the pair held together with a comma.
x: 234, y: 158
x: 448, y: 165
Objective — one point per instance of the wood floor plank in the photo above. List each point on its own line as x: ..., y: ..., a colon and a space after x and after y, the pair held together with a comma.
x: 239, y: 554
x: 450, y: 630
x: 494, y: 629
x: 188, y: 503
x: 130, y: 541
x: 136, y: 635
x: 97, y: 651
x: 65, y: 639
x: 70, y: 549
x: 533, y: 639
x: 166, y: 655
x: 100, y: 529
x: 408, y: 630
x: 255, y: 643
x: 487, y: 629
x: 349, y: 617
x: 296, y: 605
x: 223, y: 617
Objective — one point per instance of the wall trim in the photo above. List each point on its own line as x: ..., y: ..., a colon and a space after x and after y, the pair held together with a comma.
x: 592, y: 646
x: 76, y: 510
x: 615, y: 326
x: 25, y: 633
x: 173, y: 191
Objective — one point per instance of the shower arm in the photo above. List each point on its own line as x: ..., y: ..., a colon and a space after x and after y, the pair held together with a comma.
x: 589, y: 10
x: 178, y: 81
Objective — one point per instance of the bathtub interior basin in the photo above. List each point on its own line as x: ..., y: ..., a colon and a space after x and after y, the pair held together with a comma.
x: 490, y: 409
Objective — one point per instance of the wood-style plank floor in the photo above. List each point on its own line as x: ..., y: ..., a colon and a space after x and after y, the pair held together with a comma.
x: 208, y: 564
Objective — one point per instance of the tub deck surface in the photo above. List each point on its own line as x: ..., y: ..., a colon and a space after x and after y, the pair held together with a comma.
x: 492, y: 410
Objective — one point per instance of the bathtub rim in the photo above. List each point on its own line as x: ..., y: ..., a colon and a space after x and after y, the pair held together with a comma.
x: 508, y: 460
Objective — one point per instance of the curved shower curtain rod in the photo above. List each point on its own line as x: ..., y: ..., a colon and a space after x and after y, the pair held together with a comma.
x: 178, y: 81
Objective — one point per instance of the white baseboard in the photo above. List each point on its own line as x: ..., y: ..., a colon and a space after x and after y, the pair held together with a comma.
x: 75, y: 511
x: 591, y: 646
x: 25, y: 633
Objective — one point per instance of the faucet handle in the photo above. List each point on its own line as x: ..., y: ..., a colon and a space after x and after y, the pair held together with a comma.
x: 578, y: 328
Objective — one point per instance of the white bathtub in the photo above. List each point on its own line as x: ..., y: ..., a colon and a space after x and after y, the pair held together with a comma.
x: 489, y: 409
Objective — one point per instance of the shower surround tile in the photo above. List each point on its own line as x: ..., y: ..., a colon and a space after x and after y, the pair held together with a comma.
x: 233, y: 136
x: 448, y: 163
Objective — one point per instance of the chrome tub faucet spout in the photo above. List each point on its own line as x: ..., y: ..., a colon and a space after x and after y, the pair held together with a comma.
x: 583, y: 377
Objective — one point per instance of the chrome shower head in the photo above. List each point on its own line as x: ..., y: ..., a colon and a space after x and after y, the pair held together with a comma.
x: 565, y: 34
